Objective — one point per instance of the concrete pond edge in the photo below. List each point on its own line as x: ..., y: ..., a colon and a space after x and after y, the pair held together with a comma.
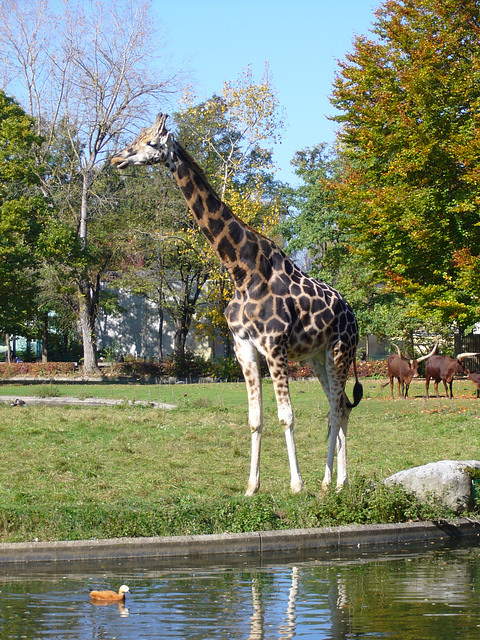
x: 259, y: 543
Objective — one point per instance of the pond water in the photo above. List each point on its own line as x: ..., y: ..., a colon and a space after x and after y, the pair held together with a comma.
x: 428, y: 594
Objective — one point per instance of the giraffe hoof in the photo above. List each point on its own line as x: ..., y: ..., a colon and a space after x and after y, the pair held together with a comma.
x: 297, y: 487
x: 251, y: 491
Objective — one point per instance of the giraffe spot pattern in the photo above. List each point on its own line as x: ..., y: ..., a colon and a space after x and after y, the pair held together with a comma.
x: 265, y: 267
x: 187, y: 190
x: 236, y: 233
x: 198, y: 207
x: 216, y: 226
x: 213, y: 204
x: 249, y: 252
x: 239, y: 275
x: 182, y: 171
x: 226, y: 250
x: 303, y: 317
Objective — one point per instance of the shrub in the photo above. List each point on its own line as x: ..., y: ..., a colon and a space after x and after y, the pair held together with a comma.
x: 189, y: 365
x: 137, y: 368
x: 227, y: 369
x: 299, y: 370
x: 36, y: 369
x: 371, y: 368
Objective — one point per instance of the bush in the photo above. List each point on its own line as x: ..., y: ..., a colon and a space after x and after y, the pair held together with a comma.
x: 299, y: 370
x: 371, y: 369
x: 137, y: 368
x: 227, y: 369
x: 189, y: 366
x: 361, y: 502
x: 36, y: 369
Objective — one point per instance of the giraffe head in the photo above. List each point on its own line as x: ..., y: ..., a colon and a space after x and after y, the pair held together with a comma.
x: 151, y: 146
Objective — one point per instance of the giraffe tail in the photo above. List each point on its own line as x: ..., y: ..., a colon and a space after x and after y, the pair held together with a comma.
x: 357, y: 390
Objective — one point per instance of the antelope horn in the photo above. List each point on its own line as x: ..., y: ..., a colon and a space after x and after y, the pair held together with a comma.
x: 404, y: 358
x: 398, y: 349
x: 461, y: 356
x: 422, y: 358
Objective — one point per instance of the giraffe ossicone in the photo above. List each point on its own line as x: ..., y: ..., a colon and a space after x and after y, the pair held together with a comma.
x: 276, y: 311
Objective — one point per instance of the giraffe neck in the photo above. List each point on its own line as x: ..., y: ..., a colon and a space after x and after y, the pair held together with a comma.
x: 226, y: 233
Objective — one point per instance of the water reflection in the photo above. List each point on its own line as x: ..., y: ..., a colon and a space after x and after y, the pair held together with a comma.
x: 122, y: 609
x: 423, y: 595
x: 286, y: 630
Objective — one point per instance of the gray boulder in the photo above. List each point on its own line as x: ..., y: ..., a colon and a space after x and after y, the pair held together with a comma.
x: 446, y: 480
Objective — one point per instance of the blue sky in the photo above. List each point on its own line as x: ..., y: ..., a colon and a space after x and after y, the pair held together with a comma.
x: 300, y: 39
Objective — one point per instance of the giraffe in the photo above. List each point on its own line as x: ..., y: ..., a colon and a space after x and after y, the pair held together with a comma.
x: 276, y: 310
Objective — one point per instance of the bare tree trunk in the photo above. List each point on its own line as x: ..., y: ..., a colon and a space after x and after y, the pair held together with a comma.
x: 160, y: 334
x: 45, y: 338
x: 87, y: 318
x: 179, y: 341
x: 8, y: 352
x: 86, y: 307
x: 87, y: 183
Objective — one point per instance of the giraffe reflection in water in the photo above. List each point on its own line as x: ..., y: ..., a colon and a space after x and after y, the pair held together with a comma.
x: 257, y: 620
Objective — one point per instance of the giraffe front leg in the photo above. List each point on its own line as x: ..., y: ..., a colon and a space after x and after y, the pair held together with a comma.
x: 255, y: 420
x: 254, y: 477
x: 296, y: 482
x: 279, y: 372
x: 247, y: 356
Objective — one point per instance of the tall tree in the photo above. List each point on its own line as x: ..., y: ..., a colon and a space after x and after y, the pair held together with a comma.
x: 409, y: 101
x: 313, y: 233
x: 88, y: 70
x: 23, y: 212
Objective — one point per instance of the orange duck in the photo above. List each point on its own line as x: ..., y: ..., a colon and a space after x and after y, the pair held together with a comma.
x: 110, y: 596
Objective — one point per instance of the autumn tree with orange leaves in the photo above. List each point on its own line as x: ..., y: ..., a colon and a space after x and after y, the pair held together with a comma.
x: 409, y: 103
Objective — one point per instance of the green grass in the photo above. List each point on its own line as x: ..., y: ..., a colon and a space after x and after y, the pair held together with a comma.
x: 78, y: 472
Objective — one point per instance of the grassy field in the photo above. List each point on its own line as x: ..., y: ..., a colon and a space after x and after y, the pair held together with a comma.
x: 78, y: 472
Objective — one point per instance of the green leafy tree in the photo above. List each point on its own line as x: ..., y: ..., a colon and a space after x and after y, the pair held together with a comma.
x: 311, y: 228
x: 324, y: 247
x: 409, y: 100
x: 23, y: 212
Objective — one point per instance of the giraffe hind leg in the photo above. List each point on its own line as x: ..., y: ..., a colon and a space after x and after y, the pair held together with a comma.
x: 337, y: 441
x: 333, y: 385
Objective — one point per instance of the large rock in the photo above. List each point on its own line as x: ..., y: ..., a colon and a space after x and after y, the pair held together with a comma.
x: 446, y: 480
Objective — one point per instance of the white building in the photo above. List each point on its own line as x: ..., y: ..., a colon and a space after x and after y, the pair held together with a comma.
x: 135, y: 331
